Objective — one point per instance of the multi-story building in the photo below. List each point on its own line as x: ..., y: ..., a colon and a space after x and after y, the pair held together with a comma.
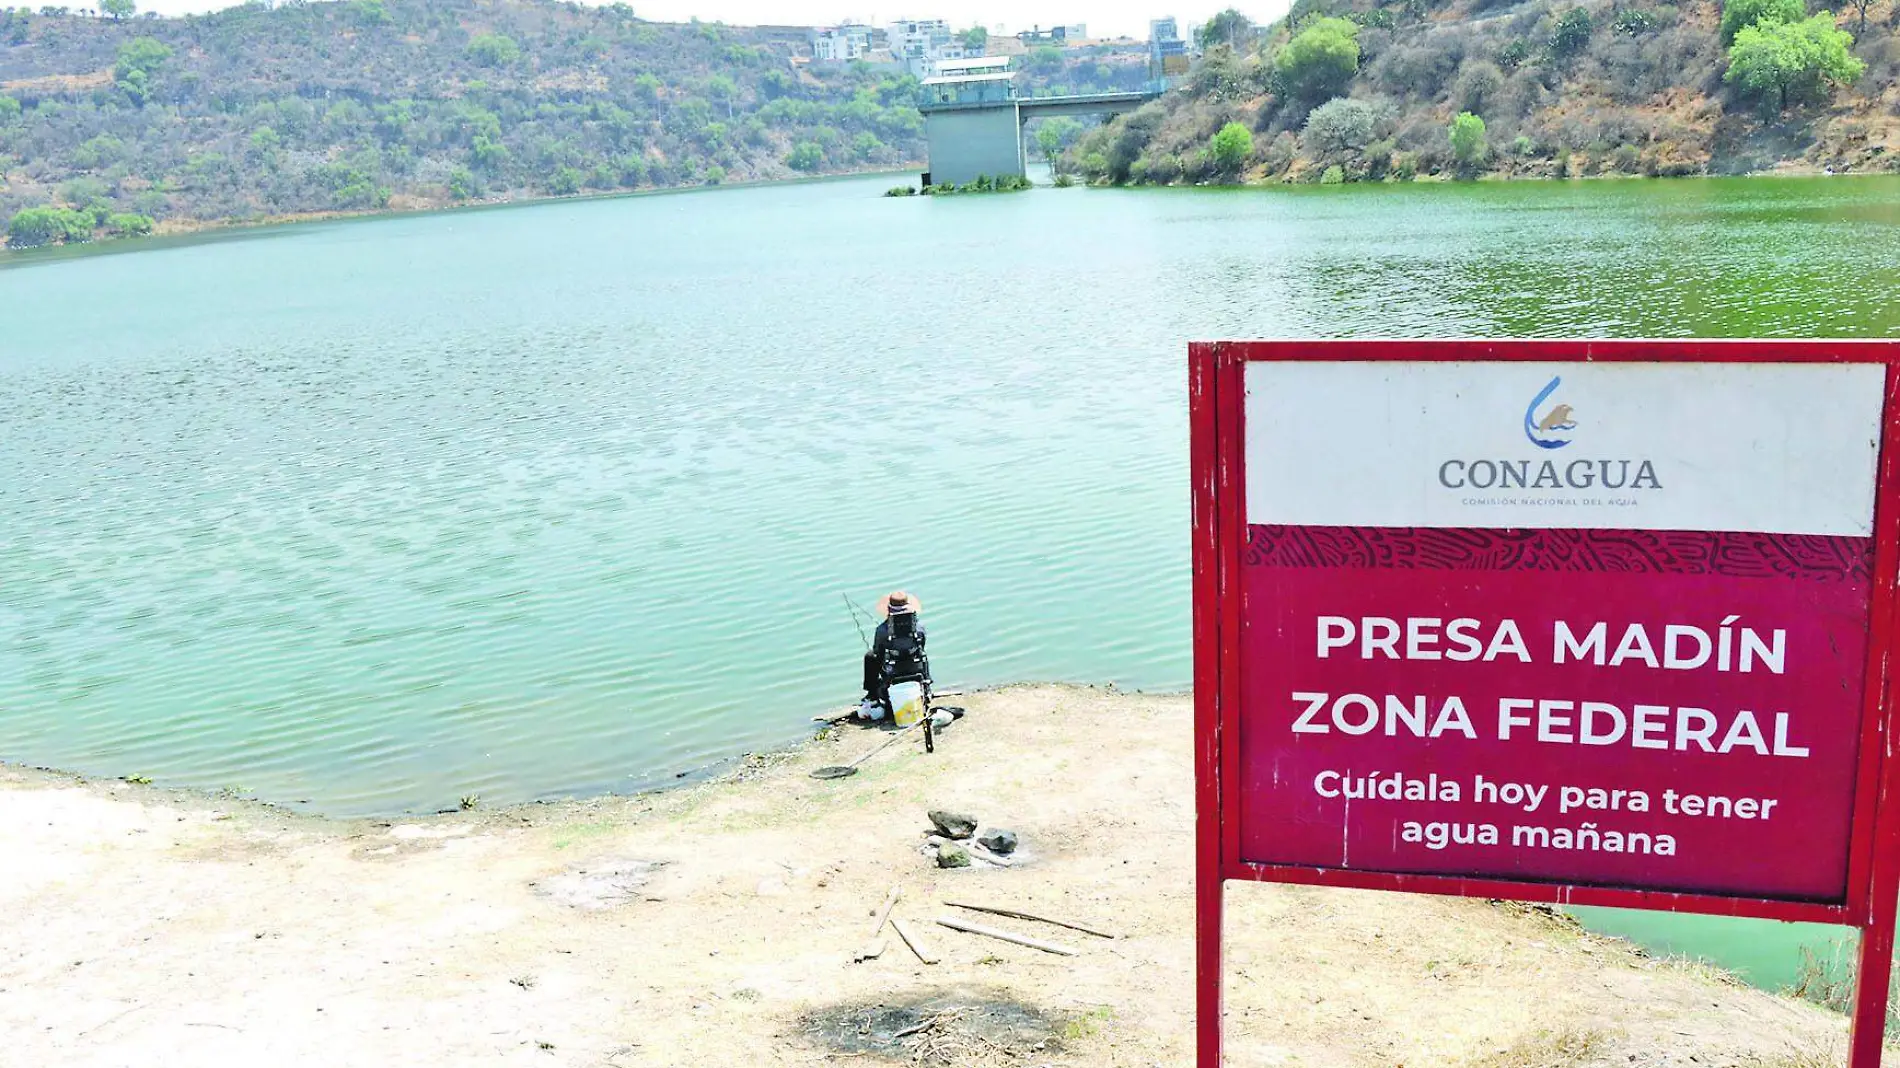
x: 919, y: 44
x: 841, y: 44
x: 1167, y: 52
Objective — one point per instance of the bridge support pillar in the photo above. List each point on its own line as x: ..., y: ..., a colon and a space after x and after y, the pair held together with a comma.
x: 966, y: 142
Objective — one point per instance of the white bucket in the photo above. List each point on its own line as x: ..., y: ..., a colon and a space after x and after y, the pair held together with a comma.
x: 907, y: 703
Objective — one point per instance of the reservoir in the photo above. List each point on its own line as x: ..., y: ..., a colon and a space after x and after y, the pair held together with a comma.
x: 365, y: 517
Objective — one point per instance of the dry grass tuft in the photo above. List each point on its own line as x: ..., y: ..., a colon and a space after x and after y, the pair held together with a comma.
x: 1563, y: 1047
x: 1811, y: 1055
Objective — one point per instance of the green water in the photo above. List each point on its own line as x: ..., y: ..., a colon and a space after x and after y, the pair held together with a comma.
x: 561, y: 499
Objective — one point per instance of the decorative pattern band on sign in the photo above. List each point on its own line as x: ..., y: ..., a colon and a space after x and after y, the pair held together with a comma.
x: 1808, y: 557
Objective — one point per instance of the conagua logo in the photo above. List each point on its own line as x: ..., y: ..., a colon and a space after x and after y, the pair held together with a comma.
x: 1547, y: 424
x: 1559, y: 419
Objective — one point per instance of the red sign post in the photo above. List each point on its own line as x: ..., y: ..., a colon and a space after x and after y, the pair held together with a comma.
x: 1598, y: 623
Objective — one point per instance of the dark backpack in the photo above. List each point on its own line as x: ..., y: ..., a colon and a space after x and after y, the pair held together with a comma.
x: 903, y: 648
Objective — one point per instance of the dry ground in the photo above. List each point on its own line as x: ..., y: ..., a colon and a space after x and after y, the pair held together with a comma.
x: 150, y: 928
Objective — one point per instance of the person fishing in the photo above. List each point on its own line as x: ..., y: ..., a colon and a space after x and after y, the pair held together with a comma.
x: 896, y: 653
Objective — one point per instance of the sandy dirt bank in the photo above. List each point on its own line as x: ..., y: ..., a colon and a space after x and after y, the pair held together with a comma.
x: 715, y: 925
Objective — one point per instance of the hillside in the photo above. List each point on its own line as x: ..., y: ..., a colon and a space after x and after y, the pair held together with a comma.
x: 1351, y: 90
x: 257, y: 112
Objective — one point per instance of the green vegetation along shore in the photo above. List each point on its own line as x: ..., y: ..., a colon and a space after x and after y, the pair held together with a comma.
x: 125, y: 125
x: 1361, y: 90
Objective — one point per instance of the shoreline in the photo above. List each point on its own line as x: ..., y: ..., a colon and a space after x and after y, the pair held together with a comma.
x: 172, y: 232
x: 1785, y: 169
x: 734, y: 767
x: 714, y: 923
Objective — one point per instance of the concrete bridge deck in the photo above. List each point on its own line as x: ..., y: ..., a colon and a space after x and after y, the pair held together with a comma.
x: 1043, y: 107
x: 974, y: 137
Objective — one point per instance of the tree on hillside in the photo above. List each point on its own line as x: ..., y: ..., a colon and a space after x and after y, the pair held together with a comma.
x: 493, y: 50
x: 1737, y: 14
x: 139, y: 59
x: 1339, y: 130
x: 1319, y: 61
x: 1044, y: 60
x: 1571, y: 35
x: 9, y: 110
x: 33, y: 227
x: 1231, y: 148
x: 975, y: 39
x: 1861, y: 6
x: 1792, y: 62
x: 118, y: 9
x: 806, y: 156
x: 1229, y: 27
x: 1467, y: 140
x: 1477, y: 86
x: 724, y: 90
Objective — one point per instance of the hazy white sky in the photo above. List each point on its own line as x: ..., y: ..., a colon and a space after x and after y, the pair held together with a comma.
x: 1103, y: 17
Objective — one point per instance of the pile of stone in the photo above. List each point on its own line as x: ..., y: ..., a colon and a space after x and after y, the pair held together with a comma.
x: 955, y: 842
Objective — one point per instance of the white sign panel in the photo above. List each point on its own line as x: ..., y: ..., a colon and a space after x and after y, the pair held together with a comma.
x: 1777, y: 448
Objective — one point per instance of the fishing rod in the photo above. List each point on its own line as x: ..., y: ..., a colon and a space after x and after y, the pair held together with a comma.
x: 854, y: 609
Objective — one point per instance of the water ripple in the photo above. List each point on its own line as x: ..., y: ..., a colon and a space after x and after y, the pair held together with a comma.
x: 562, y: 499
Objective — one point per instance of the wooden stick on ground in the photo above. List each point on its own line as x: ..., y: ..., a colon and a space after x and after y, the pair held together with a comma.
x: 915, y: 943
x: 1015, y: 915
x: 876, y: 944
x: 1007, y: 936
x: 883, y: 911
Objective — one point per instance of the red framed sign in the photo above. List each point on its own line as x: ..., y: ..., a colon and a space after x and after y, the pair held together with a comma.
x: 1599, y: 623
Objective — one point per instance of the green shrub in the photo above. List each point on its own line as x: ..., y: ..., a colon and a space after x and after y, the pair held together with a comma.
x: 805, y: 156
x: 1792, y: 62
x: 48, y: 225
x: 1511, y: 54
x: 1405, y: 166
x: 1320, y: 59
x: 1572, y: 33
x: 140, y: 54
x: 9, y: 111
x: 129, y: 225
x: 138, y: 62
x: 1335, y: 175
x: 1467, y: 139
x: 494, y: 50
x: 901, y: 191
x: 1231, y: 148
x: 1737, y: 15
x: 1064, y: 181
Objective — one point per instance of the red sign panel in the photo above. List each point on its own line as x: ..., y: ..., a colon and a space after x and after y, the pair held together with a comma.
x: 1556, y: 705
x: 1599, y: 622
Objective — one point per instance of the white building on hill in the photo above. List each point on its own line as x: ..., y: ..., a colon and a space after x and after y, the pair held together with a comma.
x: 919, y: 44
x: 840, y: 44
